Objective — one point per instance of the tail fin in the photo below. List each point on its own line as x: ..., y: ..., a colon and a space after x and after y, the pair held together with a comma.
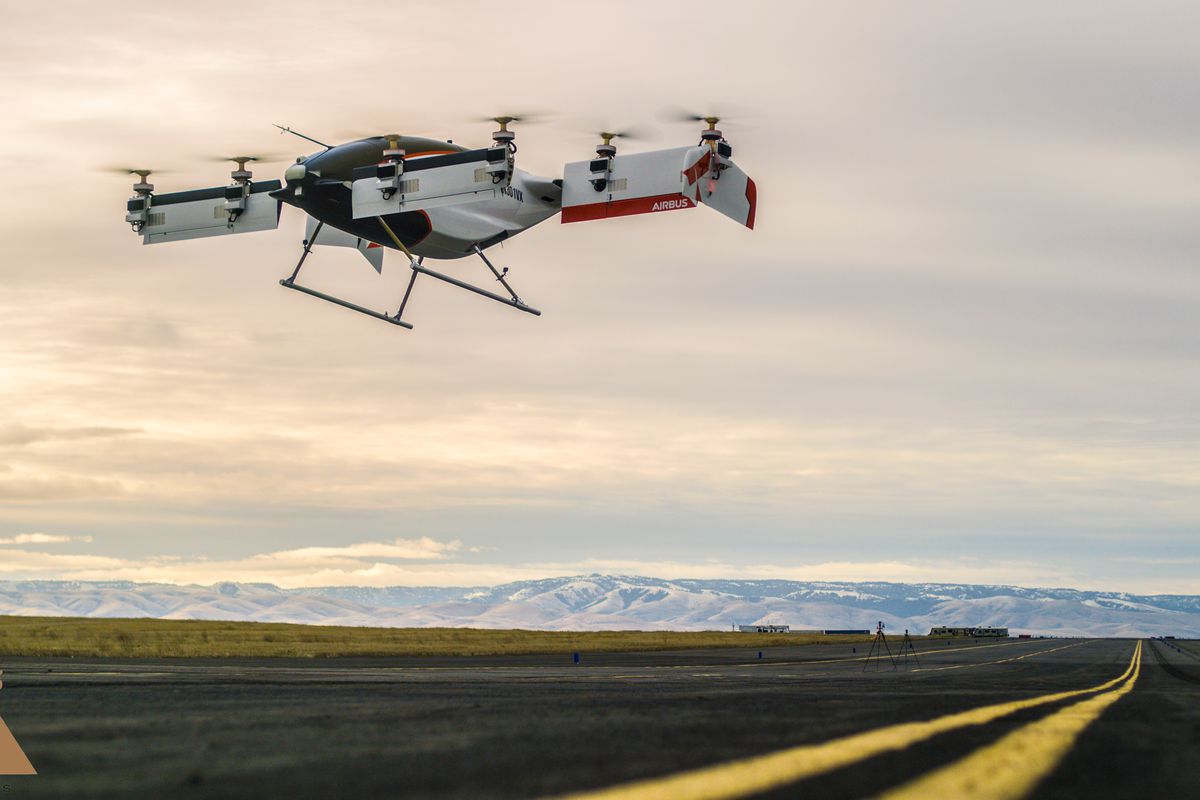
x: 719, y: 183
x: 337, y: 237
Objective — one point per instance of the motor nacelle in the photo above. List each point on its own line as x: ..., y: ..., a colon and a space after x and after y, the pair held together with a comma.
x: 598, y: 172
x: 499, y: 162
x: 235, y: 199
x: 600, y: 167
x: 237, y: 194
x: 137, y: 211
x: 389, y: 176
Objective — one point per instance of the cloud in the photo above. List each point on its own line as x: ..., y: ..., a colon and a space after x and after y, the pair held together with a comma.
x: 429, y: 562
x: 56, y: 487
x: 43, y: 538
x: 25, y: 563
x: 363, y: 562
x: 17, y: 435
x: 423, y: 548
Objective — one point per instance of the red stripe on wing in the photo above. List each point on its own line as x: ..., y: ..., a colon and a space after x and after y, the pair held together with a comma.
x: 623, y: 208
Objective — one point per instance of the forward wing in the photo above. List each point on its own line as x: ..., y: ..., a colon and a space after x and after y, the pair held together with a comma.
x: 199, y: 213
x: 427, y: 182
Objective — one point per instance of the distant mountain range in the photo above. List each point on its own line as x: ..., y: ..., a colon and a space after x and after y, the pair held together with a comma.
x: 620, y: 602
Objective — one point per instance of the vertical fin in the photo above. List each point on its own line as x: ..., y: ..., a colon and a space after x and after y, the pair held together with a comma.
x: 335, y: 237
x: 373, y: 253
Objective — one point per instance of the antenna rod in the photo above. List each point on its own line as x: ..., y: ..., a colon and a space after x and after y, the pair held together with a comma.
x: 282, y: 129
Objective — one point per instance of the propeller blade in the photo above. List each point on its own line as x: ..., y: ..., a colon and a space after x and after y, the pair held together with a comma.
x: 504, y: 119
x: 259, y: 157
x: 691, y: 115
x: 633, y: 134
x: 683, y: 115
x: 141, y: 172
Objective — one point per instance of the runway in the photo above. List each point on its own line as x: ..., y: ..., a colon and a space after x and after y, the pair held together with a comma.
x: 1097, y: 718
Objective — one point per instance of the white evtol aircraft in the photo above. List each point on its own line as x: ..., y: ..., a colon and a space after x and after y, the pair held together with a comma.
x: 439, y: 200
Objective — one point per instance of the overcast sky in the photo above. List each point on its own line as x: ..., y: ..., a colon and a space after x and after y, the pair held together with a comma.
x: 961, y: 345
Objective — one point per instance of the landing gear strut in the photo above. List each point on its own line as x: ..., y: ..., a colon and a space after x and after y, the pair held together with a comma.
x: 290, y: 283
x: 418, y: 268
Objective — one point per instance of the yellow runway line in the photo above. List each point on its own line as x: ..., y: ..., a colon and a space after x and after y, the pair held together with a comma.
x: 863, y: 657
x: 660, y: 667
x: 816, y: 662
x: 997, y: 661
x: 795, y: 675
x: 750, y: 776
x: 1011, y: 767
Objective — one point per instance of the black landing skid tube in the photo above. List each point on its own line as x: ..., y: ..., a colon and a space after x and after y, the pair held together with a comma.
x: 417, y: 269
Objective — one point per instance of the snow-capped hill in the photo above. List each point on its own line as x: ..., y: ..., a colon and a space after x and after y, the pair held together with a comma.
x: 614, y: 602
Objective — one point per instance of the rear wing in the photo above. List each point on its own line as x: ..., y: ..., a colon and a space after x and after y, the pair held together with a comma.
x: 195, y: 214
x: 415, y: 184
x: 660, y: 180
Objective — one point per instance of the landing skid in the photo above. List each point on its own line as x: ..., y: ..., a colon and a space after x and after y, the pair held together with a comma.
x: 347, y: 304
x: 416, y: 264
x: 513, y: 300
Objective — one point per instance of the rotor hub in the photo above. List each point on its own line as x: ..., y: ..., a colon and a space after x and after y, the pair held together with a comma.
x: 394, y: 151
x: 143, y: 187
x: 241, y: 174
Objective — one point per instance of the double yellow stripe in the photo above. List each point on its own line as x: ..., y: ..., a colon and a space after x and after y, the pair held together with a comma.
x: 762, y: 773
x: 1011, y: 767
x: 973, y: 664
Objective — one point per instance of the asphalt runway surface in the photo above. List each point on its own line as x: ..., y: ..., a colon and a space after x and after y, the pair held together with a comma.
x: 1087, y: 718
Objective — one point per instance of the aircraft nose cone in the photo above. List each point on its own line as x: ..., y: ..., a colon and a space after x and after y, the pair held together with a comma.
x: 294, y: 173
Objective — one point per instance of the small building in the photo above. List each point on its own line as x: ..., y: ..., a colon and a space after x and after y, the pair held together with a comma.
x: 943, y: 630
x: 981, y: 631
x: 997, y: 633
x: 765, y: 628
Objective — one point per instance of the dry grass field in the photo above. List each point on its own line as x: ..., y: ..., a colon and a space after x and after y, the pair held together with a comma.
x: 154, y: 638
